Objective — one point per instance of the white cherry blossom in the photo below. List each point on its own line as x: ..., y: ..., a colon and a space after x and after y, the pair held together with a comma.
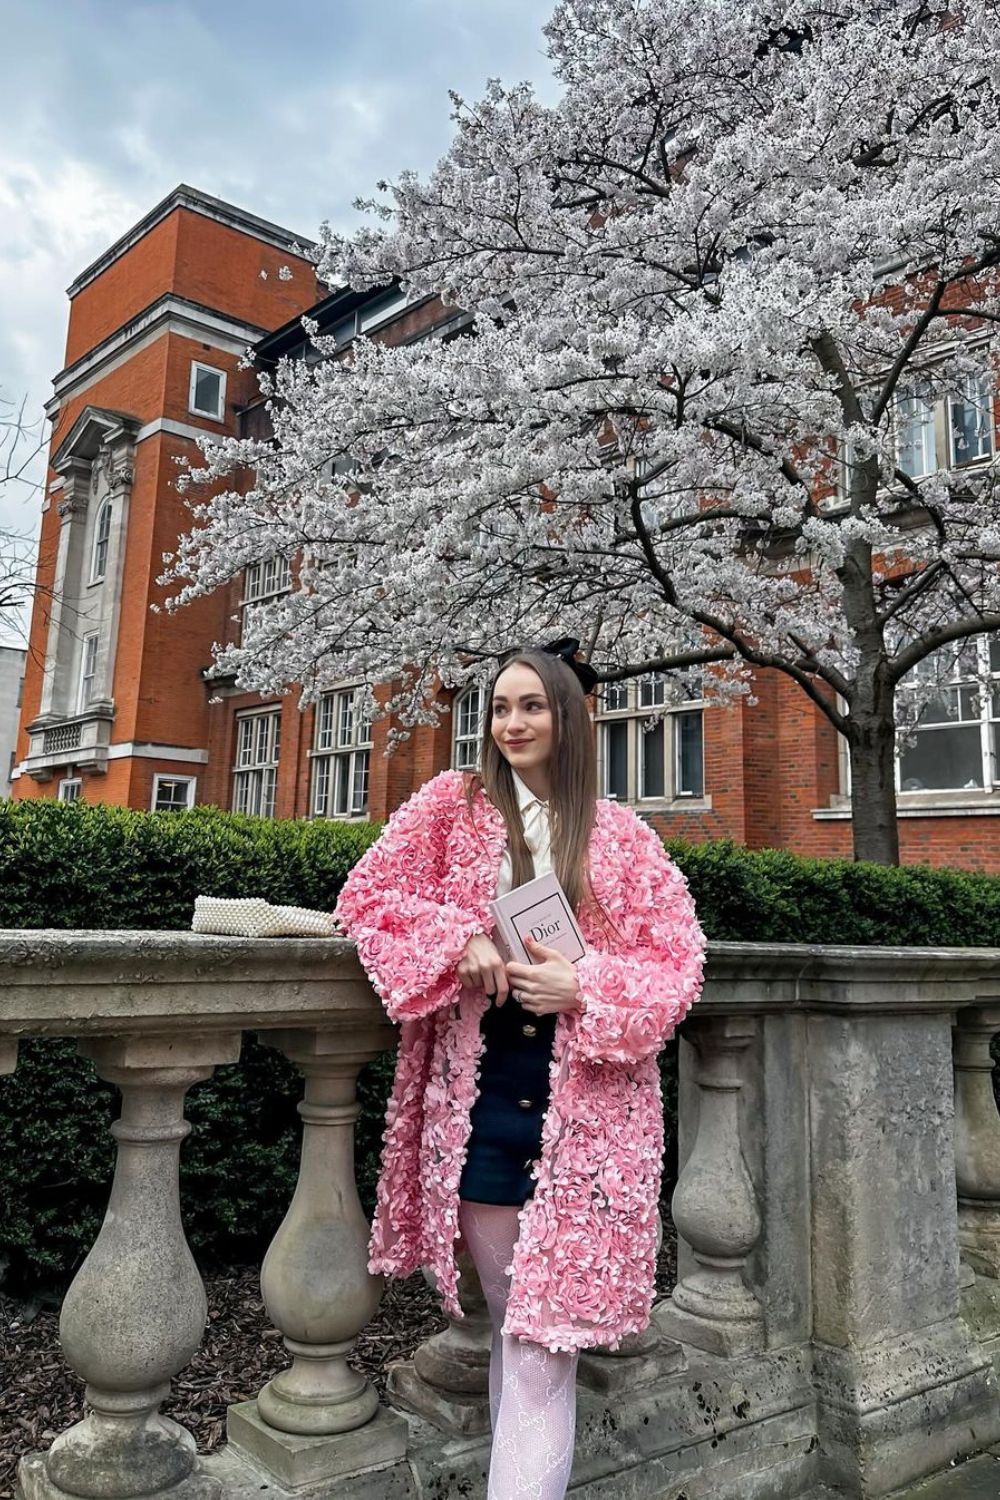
x: 700, y: 287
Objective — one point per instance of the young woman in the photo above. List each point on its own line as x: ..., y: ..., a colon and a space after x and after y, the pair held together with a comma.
x: 525, y: 1122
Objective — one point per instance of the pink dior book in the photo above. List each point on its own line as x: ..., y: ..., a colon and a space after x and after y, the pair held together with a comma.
x: 538, y: 909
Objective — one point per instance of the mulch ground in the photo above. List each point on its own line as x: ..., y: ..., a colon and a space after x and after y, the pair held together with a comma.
x: 40, y: 1395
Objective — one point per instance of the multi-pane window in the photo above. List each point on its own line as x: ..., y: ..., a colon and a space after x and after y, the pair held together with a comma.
x: 644, y: 753
x: 955, y: 740
x: 467, y: 722
x: 207, y: 391
x: 947, y: 432
x: 341, y: 756
x: 970, y: 422
x: 102, y: 535
x: 88, y: 671
x: 264, y: 581
x: 172, y: 793
x: 255, y: 774
x: 69, y: 789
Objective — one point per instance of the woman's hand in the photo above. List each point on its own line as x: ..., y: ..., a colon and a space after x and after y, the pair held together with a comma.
x: 549, y: 984
x: 482, y: 968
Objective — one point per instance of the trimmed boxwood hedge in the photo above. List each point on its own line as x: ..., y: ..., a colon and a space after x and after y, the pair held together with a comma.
x: 97, y: 867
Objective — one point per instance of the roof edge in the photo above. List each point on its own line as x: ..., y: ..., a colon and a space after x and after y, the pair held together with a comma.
x: 184, y: 196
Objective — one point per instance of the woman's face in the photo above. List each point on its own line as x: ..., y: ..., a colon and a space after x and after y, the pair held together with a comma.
x: 521, y: 719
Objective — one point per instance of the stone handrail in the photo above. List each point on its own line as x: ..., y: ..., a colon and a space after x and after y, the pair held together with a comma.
x: 835, y: 1318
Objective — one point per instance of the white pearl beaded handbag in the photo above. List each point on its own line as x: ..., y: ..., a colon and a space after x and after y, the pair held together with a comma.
x: 253, y: 917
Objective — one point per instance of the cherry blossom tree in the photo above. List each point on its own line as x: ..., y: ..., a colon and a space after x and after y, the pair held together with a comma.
x: 715, y: 296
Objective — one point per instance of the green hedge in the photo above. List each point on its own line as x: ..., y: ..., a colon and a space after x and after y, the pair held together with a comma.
x: 82, y: 865
x: 771, y: 896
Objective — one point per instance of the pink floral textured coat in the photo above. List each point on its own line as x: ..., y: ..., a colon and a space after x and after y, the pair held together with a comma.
x: 583, y: 1268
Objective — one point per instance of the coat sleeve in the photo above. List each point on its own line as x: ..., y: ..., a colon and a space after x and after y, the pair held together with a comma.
x: 409, y: 939
x: 634, y: 998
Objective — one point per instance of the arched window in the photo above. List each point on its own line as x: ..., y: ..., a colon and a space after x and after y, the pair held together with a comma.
x: 467, y: 719
x: 102, y: 533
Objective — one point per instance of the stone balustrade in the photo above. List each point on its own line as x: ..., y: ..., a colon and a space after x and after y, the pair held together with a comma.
x: 836, y: 1318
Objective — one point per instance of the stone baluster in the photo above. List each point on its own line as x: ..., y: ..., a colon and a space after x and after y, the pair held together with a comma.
x: 319, y: 1418
x: 448, y: 1378
x: 8, y: 1054
x: 135, y: 1312
x: 714, y: 1204
x: 977, y: 1143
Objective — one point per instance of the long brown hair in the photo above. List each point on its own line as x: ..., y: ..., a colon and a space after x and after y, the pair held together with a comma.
x: 572, y: 778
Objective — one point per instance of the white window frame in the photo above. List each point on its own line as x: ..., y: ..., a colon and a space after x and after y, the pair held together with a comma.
x: 88, y: 669
x: 460, y: 740
x: 634, y: 713
x: 256, y: 757
x: 941, y: 428
x: 74, y: 783
x: 926, y: 410
x: 219, y: 414
x: 262, y: 582
x: 982, y: 398
x: 938, y: 428
x: 102, y: 540
x: 341, y: 757
x: 938, y: 796
x: 161, y: 776
x: 987, y: 720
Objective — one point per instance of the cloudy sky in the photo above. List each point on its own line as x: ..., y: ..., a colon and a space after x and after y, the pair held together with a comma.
x: 289, y: 109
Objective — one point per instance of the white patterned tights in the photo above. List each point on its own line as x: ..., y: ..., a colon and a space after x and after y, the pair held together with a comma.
x: 532, y: 1389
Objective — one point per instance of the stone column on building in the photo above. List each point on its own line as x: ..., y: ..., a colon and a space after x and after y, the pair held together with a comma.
x: 117, y: 464
x: 71, y: 507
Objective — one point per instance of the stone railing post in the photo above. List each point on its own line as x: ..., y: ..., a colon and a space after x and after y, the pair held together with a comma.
x: 319, y: 1418
x: 135, y: 1312
x: 8, y: 1054
x: 714, y: 1205
x: 977, y: 1143
x: 891, y: 1355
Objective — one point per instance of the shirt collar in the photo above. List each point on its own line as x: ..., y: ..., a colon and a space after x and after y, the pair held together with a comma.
x: 525, y: 796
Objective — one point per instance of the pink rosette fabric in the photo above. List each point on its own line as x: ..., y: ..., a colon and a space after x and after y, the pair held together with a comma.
x: 582, y: 1272
x: 409, y: 937
x: 634, y: 997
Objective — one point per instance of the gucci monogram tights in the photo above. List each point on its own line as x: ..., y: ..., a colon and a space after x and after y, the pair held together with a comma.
x: 532, y: 1389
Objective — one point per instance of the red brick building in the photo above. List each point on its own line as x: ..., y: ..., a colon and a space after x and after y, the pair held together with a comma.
x: 117, y: 700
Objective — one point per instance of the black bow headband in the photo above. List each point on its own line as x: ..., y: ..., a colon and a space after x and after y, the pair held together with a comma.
x: 566, y: 648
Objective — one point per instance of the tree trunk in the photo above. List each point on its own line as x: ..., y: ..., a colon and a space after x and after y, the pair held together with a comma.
x: 872, y: 741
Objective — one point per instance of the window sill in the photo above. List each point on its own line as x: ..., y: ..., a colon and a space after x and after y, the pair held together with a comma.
x: 364, y: 817
x: 666, y: 805
x: 987, y: 804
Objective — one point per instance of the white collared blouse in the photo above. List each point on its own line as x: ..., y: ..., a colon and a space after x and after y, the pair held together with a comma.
x: 535, y: 821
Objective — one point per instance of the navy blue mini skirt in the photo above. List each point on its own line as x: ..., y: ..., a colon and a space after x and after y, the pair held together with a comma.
x: 506, y: 1119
